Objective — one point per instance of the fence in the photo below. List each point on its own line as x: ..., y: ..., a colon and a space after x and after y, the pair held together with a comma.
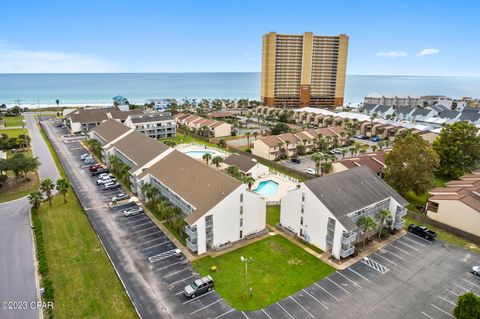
x: 202, y: 146
x: 425, y: 219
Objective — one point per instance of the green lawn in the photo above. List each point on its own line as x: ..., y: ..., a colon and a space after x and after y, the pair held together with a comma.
x: 85, y: 284
x: 273, y: 215
x: 13, y: 120
x: 181, y: 138
x: 11, y: 191
x: 14, y: 132
x: 278, y: 269
x: 52, y: 151
x: 446, y: 236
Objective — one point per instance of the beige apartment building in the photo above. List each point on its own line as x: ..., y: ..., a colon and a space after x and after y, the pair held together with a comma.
x: 303, y: 70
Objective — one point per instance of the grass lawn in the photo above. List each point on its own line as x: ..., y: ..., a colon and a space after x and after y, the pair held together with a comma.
x: 14, y: 189
x: 446, y: 236
x: 278, y: 269
x: 14, y: 132
x: 181, y: 138
x: 273, y: 215
x: 84, y: 281
x: 13, y: 120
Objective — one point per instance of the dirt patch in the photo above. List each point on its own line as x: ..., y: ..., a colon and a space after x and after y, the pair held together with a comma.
x: 276, y: 247
x: 294, y: 261
x: 14, y: 185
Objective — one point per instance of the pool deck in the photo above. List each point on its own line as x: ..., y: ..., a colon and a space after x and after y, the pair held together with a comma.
x: 283, y: 186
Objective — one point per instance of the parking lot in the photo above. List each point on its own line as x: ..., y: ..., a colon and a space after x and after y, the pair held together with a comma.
x: 409, y: 278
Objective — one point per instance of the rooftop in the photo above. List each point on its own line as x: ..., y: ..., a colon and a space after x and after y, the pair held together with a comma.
x: 110, y: 130
x: 242, y: 162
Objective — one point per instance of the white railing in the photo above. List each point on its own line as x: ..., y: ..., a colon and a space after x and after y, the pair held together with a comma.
x: 286, y: 177
x: 193, y: 247
x: 192, y: 233
x: 347, y: 239
x: 201, y: 146
x: 347, y: 252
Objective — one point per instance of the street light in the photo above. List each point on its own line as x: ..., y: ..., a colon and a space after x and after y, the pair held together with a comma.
x: 246, y: 261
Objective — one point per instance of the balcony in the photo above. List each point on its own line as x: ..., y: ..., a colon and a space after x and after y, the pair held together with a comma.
x: 401, y: 212
x: 209, y: 236
x: 208, y: 224
x: 331, y: 227
x: 191, y: 232
x: 330, y: 240
x: 348, y: 238
x: 346, y: 252
x: 399, y: 224
x: 192, y: 246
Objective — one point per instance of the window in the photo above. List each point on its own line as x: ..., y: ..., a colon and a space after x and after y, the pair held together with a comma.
x: 241, y: 234
x: 241, y: 210
x: 303, y: 197
x: 241, y: 198
x: 303, y: 209
x: 301, y: 220
x: 241, y: 222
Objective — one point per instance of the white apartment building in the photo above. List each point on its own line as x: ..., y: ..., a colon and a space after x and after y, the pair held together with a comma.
x: 324, y: 210
x: 392, y: 99
x: 154, y: 125
x: 84, y: 120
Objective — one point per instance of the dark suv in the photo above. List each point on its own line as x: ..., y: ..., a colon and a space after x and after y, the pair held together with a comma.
x: 422, y: 231
x: 198, y: 287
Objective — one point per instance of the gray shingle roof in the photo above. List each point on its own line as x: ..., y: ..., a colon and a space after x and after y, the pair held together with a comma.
x: 368, y: 107
x: 448, y: 114
x: 439, y: 108
x: 469, y: 115
x: 421, y: 112
x: 348, y: 191
x: 110, y: 130
x: 404, y: 110
x: 242, y: 162
x: 383, y: 108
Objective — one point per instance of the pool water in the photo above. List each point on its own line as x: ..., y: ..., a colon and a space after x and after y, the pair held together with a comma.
x: 266, y: 188
x: 199, y: 153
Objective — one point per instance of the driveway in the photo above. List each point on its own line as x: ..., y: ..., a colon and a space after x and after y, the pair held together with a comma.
x: 408, y: 278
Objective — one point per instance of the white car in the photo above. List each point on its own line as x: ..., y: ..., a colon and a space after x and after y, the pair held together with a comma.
x: 83, y: 156
x: 132, y: 211
x: 103, y: 181
x: 310, y: 171
x: 120, y: 196
x: 476, y: 270
x: 337, y: 151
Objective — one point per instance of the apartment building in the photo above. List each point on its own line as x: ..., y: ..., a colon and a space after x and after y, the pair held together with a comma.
x: 273, y: 146
x: 392, y: 99
x: 218, y: 209
x: 457, y: 204
x: 324, y: 211
x: 375, y: 161
x: 303, y: 70
x: 197, y: 123
x: 154, y: 125
x: 247, y: 165
x: 84, y: 120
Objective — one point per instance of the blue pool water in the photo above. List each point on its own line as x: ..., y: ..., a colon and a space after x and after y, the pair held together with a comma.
x: 199, y: 153
x: 266, y: 188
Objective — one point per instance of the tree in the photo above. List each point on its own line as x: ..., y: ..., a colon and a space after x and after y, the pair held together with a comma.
x: 57, y: 101
x: 21, y: 165
x: 317, y: 158
x: 222, y: 143
x: 366, y: 224
x: 374, y: 148
x: 410, y: 165
x: 217, y: 160
x: 326, y: 167
x: 280, y: 128
x: 468, y: 306
x: 247, y: 135
x: 458, y: 147
x: 384, y: 215
x: 249, y: 180
x: 344, y: 152
x: 207, y: 157
x: 46, y: 186
x: 255, y: 134
x: 62, y: 187
x: 35, y: 199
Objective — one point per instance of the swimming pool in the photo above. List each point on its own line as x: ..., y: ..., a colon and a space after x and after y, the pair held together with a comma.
x: 266, y: 188
x: 199, y: 154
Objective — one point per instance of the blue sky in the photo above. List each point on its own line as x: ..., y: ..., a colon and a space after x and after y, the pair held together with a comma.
x: 386, y: 37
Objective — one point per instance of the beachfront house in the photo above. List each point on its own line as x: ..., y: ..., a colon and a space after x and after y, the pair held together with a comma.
x: 154, y: 125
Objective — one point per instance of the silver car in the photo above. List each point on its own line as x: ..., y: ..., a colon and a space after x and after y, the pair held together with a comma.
x: 132, y: 211
x: 476, y: 270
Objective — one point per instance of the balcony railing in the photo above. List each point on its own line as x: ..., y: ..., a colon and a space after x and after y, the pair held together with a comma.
x: 399, y: 224
x: 209, y: 224
x: 192, y: 233
x: 192, y: 246
x: 401, y: 213
x: 331, y: 227
x: 348, y: 238
x: 347, y: 252
x: 209, y: 236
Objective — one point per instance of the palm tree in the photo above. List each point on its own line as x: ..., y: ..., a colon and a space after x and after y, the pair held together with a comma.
x: 255, y: 134
x: 363, y: 151
x: 374, y: 148
x: 207, y: 157
x: 367, y: 224
x: 35, y: 199
x: 280, y: 149
x: 326, y: 167
x: 57, y: 101
x: 317, y: 158
x: 113, y: 161
x: 248, y: 138
x: 356, y: 148
x: 352, y: 150
x: 344, y: 152
x: 47, y: 186
x: 217, y: 160
x: 62, y: 187
x: 249, y: 180
x: 384, y: 215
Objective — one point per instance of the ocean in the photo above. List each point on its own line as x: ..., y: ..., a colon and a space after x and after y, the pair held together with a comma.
x: 70, y: 89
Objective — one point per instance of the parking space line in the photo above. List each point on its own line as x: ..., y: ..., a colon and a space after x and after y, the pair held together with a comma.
x: 138, y: 231
x: 374, y: 265
x: 315, y: 299
x: 133, y: 219
x: 402, y: 250
x: 378, y: 255
x: 149, y: 241
x: 142, y: 224
x: 428, y: 241
x: 358, y: 274
x: 243, y: 313
x: 189, y: 301
x: 401, y: 242
x: 266, y: 314
x: 146, y: 235
x: 442, y: 310
x: 168, y: 266
x: 453, y: 293
x: 428, y: 316
x: 353, y: 282
x: 471, y: 283
x: 461, y: 287
x: 176, y: 282
x: 285, y: 310
x: 176, y: 272
x: 333, y: 282
x: 413, y: 241
x: 399, y: 257
x: 206, y: 306
x: 225, y: 313
x: 302, y: 307
x: 156, y: 245
x: 179, y: 293
x: 452, y: 303
x: 331, y: 295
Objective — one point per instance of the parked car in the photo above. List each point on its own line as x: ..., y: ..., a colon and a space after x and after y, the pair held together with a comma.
x: 120, y: 196
x: 337, y: 151
x: 476, y: 270
x: 94, y: 167
x: 361, y: 137
x: 99, y: 171
x: 104, y: 175
x: 111, y: 185
x: 199, y: 286
x: 310, y: 171
x: 375, y: 138
x: 85, y: 155
x: 422, y: 231
x: 295, y: 160
x: 132, y: 211
x: 103, y: 181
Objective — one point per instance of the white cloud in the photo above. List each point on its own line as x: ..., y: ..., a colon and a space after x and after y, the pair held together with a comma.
x: 13, y: 60
x: 391, y: 54
x: 431, y: 51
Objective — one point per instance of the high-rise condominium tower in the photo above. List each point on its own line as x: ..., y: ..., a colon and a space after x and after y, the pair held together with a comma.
x: 303, y: 70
